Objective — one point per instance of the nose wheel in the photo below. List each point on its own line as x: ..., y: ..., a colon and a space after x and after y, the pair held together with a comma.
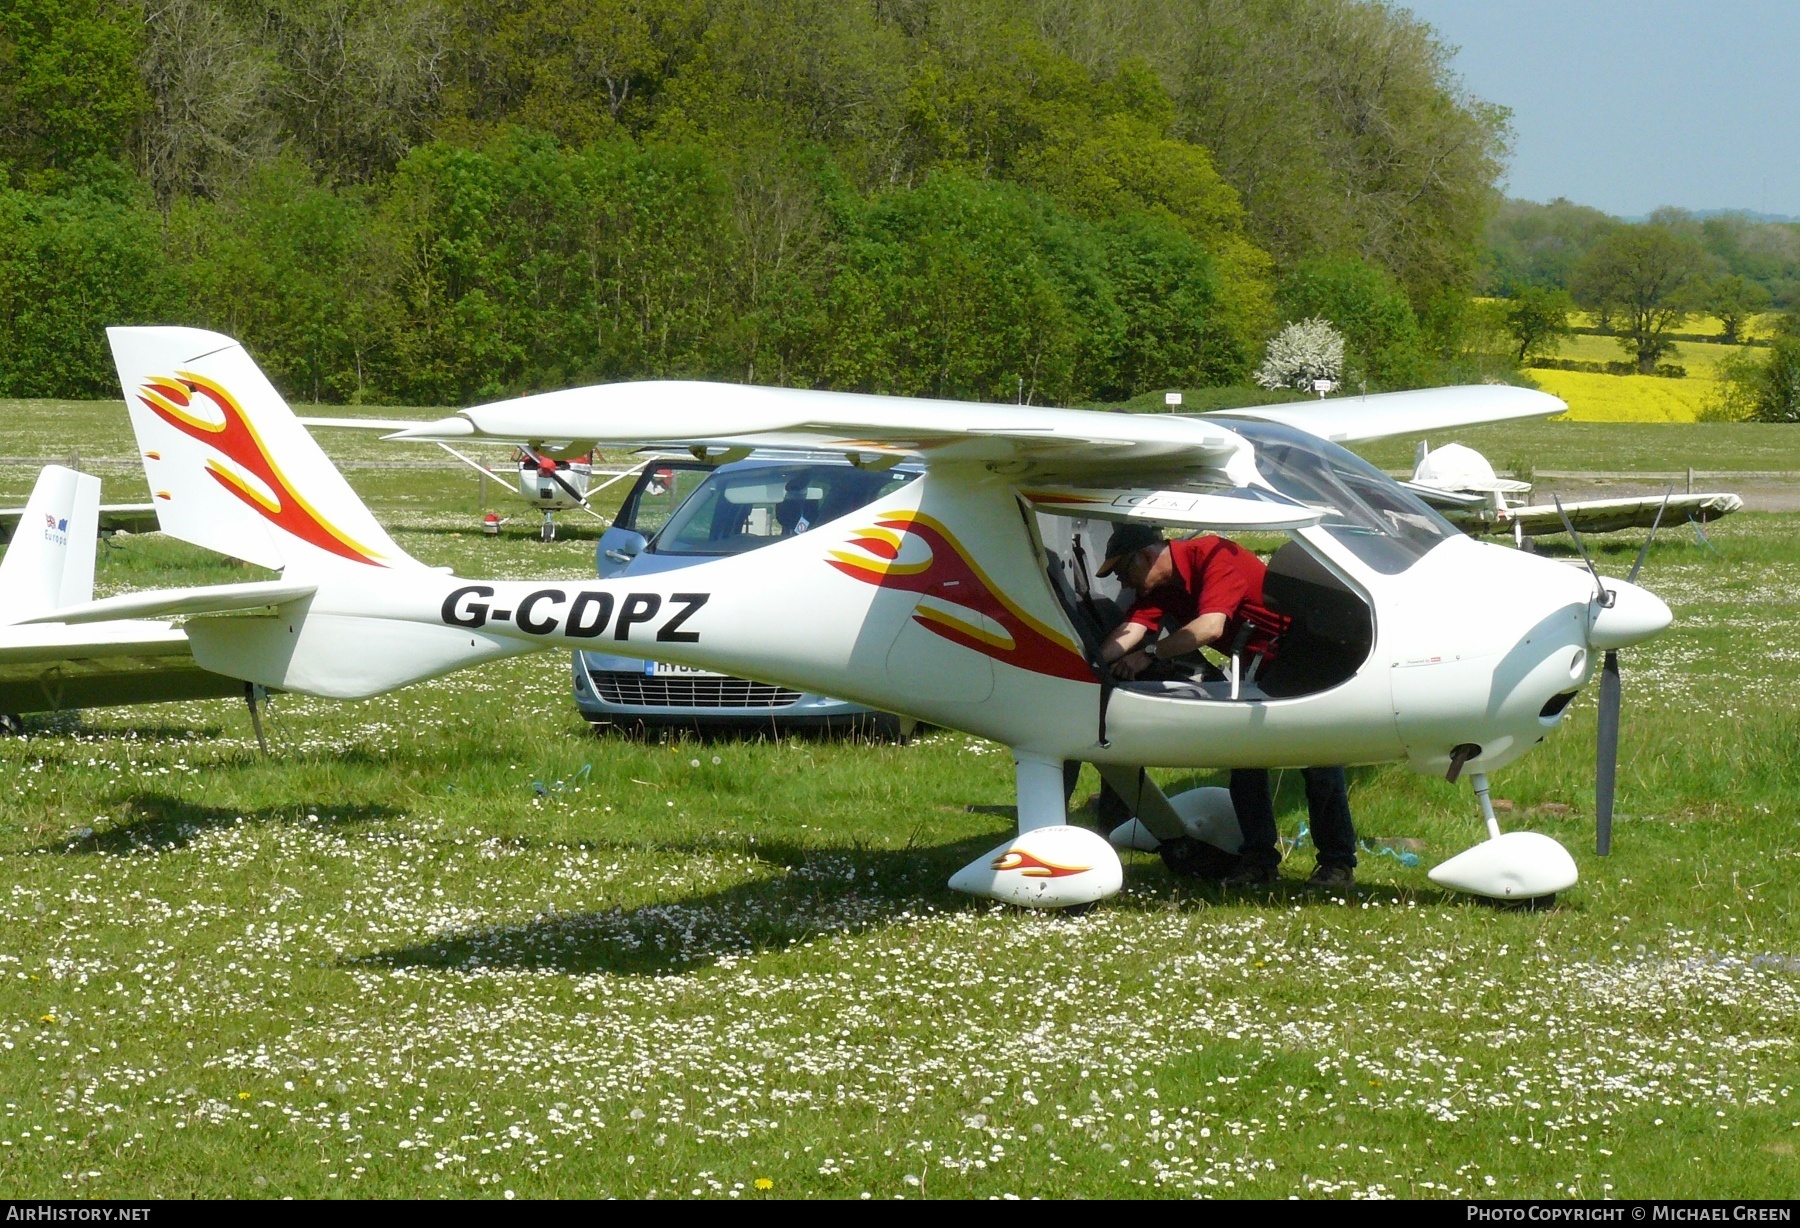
x: 1523, y: 868
x: 547, y: 531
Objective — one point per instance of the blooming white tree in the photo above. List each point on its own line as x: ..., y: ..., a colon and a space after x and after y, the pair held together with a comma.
x: 1309, y: 350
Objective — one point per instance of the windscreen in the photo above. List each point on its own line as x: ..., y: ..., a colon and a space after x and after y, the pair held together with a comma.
x: 741, y: 507
x: 1382, y: 524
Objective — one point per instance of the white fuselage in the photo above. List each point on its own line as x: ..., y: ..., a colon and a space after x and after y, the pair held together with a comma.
x: 933, y: 603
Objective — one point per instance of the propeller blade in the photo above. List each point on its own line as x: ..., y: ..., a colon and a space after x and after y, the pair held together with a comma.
x: 1569, y: 528
x: 1606, y: 759
x: 1654, y: 525
x: 570, y: 490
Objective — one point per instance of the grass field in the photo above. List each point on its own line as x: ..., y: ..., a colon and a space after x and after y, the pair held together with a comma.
x: 451, y: 943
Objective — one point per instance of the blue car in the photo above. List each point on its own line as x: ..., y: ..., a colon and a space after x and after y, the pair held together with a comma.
x: 682, y: 512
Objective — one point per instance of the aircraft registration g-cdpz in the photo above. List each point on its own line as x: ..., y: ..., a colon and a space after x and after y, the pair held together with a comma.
x: 937, y: 599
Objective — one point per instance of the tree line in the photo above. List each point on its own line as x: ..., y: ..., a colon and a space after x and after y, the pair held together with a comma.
x: 440, y: 201
x: 1642, y: 281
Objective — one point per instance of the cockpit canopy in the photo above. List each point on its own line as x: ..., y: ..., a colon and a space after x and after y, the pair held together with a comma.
x: 1377, y: 520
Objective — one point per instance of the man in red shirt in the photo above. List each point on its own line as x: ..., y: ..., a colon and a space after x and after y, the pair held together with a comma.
x: 1209, y: 591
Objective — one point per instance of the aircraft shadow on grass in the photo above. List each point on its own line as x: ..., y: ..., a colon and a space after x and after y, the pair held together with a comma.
x: 814, y: 892
x: 817, y: 892
x: 158, y: 822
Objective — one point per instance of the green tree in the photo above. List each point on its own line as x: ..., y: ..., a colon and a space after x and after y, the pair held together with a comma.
x: 1735, y: 299
x: 69, y: 87
x: 957, y: 289
x: 1383, y: 343
x: 1777, y: 388
x: 1528, y: 244
x: 1537, y: 319
x: 71, y: 264
x: 1647, y: 279
x: 1342, y: 124
x: 521, y: 265
x: 301, y: 273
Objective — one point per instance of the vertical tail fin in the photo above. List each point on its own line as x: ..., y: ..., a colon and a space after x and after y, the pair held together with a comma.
x: 50, y: 563
x: 230, y: 466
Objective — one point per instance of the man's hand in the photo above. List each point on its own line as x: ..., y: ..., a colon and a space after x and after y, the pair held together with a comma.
x: 1130, y: 665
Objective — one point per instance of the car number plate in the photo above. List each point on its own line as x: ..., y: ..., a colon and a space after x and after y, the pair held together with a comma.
x: 662, y: 669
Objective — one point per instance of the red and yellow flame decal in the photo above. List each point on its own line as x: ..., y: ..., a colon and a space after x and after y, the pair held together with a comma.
x: 950, y: 575
x: 1030, y: 866
x: 171, y: 399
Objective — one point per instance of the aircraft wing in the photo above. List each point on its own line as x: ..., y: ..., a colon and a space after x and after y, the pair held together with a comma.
x: 114, y: 518
x: 1232, y: 509
x: 720, y: 420
x: 1355, y: 419
x: 174, y: 602
x: 54, y: 668
x: 1608, y: 515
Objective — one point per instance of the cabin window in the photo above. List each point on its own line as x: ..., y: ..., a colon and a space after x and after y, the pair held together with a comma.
x: 1377, y: 520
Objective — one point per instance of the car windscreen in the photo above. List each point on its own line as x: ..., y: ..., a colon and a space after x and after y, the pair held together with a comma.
x: 740, y: 508
x: 1380, y: 522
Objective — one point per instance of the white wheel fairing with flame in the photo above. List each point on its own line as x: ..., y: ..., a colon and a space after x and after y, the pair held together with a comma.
x: 933, y: 602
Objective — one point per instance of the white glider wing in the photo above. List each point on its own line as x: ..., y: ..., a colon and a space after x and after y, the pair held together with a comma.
x: 1355, y: 419
x: 113, y: 518
x: 1595, y: 515
x: 46, y: 574
x: 722, y: 419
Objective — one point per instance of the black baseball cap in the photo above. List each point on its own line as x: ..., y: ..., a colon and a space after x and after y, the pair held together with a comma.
x: 1128, y: 539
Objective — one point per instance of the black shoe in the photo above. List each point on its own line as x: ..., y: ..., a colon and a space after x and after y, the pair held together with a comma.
x: 1251, y: 874
x: 1332, y: 877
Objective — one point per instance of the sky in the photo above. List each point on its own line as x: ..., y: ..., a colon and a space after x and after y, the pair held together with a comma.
x: 1633, y: 104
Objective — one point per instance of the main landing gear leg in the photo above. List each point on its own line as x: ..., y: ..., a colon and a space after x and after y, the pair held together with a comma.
x: 1519, y: 867
x: 1049, y: 864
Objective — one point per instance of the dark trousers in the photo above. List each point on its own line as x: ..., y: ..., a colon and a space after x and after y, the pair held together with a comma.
x: 1327, y: 807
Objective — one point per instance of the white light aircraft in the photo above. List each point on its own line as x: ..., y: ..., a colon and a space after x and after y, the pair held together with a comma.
x: 1459, y: 482
x: 1409, y: 642
x: 549, y: 475
x: 50, y: 566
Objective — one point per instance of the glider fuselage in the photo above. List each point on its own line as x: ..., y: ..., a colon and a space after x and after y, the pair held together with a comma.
x: 934, y: 603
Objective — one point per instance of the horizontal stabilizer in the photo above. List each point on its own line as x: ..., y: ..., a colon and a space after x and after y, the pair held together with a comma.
x: 364, y: 424
x: 176, y: 602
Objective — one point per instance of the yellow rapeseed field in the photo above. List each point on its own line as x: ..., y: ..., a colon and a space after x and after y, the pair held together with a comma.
x: 1626, y: 398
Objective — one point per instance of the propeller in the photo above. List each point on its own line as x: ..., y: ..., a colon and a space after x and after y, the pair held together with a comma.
x: 1606, y: 757
x: 546, y: 467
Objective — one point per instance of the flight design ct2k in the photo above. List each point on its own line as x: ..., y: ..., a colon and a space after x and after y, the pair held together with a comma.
x: 1410, y: 642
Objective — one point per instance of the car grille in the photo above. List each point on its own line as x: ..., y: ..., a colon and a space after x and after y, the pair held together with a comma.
x: 639, y: 691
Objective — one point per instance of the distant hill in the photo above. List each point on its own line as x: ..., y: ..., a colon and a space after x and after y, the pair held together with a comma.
x: 1748, y: 215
